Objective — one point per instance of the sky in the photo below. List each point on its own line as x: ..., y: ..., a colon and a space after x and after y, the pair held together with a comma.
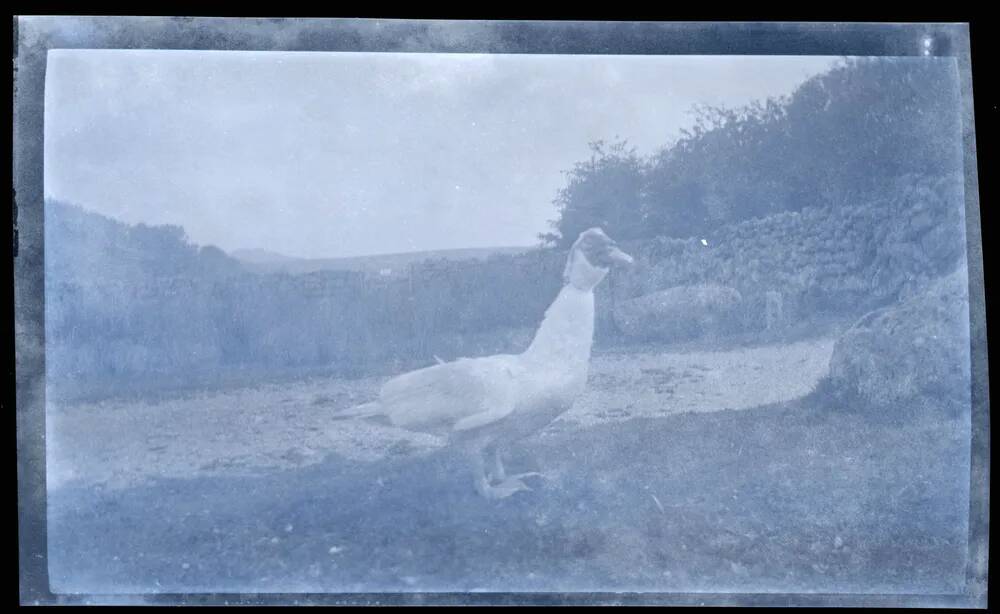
x: 318, y: 155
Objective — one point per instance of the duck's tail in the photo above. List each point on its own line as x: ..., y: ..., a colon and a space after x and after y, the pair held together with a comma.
x: 365, y: 410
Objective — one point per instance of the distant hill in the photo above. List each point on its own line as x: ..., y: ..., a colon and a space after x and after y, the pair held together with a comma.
x: 265, y: 261
x: 260, y: 256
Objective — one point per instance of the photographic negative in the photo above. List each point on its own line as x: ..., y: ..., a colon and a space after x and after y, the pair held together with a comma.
x: 480, y: 312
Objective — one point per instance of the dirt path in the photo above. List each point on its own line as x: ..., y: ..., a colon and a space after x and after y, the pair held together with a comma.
x: 117, y: 444
x: 624, y: 386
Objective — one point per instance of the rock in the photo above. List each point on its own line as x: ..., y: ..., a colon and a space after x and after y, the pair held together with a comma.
x: 914, y: 353
x: 679, y: 313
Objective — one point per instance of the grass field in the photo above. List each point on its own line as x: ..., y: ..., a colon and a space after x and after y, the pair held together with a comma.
x: 691, y: 471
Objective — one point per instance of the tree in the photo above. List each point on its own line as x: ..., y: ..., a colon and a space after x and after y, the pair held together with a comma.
x: 604, y: 191
x: 842, y: 138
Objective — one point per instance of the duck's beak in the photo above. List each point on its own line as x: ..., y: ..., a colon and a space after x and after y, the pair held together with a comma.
x: 620, y: 257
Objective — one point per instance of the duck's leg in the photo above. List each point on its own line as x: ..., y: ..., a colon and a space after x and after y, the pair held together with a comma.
x: 507, y: 485
x: 499, y: 473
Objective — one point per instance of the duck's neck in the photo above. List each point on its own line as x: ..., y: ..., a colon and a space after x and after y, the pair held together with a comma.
x: 567, y: 331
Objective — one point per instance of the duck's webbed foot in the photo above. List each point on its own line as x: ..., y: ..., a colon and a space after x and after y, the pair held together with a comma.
x: 499, y: 474
x: 501, y: 490
x: 498, y: 485
x: 529, y: 474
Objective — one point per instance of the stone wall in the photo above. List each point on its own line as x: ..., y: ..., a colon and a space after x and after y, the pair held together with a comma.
x: 809, y: 262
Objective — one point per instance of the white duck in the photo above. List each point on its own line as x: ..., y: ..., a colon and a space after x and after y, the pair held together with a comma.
x: 483, y: 404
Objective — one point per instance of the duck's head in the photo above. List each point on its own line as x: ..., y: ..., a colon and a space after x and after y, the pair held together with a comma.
x: 591, y: 257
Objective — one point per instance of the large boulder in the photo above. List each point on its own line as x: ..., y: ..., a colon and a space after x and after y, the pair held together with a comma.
x: 679, y: 313
x: 914, y: 354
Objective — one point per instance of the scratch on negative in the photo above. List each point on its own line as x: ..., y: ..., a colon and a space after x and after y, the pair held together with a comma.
x: 658, y: 504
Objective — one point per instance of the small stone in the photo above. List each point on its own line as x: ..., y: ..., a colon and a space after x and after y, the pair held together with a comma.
x: 186, y: 566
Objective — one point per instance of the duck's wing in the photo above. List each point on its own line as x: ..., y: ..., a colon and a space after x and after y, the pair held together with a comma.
x: 464, y: 394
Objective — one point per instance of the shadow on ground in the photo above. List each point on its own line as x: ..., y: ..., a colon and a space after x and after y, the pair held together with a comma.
x: 776, y: 499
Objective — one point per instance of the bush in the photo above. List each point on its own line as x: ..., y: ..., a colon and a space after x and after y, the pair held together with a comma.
x: 679, y: 313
